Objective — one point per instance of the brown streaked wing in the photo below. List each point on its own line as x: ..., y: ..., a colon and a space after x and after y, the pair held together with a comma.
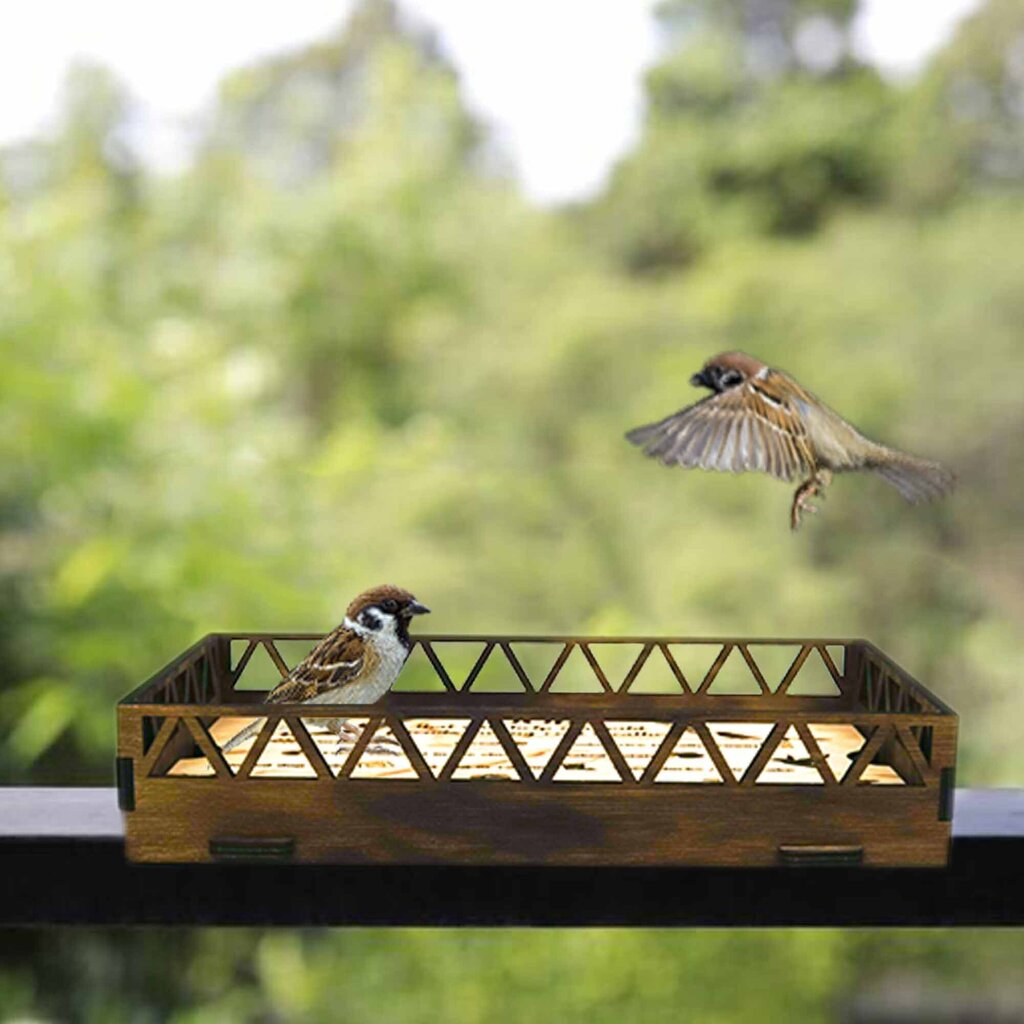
x: 336, y: 660
x: 293, y: 690
x: 750, y: 427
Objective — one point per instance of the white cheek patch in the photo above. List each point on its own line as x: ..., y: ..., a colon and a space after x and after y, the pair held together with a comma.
x: 382, y: 623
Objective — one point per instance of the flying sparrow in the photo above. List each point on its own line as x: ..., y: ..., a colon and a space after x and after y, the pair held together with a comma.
x: 759, y: 418
x: 356, y: 663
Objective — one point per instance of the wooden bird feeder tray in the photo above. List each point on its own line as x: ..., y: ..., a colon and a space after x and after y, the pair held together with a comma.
x: 545, y: 750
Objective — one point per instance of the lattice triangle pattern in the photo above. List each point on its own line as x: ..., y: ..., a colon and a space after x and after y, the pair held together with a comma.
x: 720, y: 669
x: 619, y: 750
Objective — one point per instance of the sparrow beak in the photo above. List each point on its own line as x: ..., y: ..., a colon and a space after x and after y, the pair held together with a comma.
x: 415, y: 608
x: 700, y: 380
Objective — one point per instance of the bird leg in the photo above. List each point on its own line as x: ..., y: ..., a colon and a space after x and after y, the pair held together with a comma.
x: 348, y: 734
x: 810, y: 488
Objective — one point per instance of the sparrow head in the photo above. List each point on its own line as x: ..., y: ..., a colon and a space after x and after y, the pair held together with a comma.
x: 385, y: 609
x: 728, y: 370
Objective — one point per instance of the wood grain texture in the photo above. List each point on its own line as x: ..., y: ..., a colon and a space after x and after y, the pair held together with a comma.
x: 492, y: 823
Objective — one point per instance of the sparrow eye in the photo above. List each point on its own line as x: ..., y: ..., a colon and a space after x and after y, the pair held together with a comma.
x: 390, y: 605
x: 731, y: 378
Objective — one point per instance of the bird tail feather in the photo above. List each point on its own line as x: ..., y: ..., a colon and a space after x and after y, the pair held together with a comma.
x: 242, y: 735
x: 916, y: 479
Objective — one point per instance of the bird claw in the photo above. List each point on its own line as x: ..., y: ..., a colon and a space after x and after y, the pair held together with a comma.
x: 386, y: 749
x: 385, y: 746
x: 813, y: 488
x: 347, y: 735
x: 799, y: 507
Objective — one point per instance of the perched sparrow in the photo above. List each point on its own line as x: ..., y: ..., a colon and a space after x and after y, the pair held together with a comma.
x: 356, y: 663
x: 760, y: 418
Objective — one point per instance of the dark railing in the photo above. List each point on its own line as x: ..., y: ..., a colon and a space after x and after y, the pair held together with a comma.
x: 62, y: 860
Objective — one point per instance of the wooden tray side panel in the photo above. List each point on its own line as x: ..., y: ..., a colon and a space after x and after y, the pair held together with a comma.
x: 502, y: 823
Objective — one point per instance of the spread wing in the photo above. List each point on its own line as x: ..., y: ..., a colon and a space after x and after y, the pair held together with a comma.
x: 336, y: 660
x: 749, y: 427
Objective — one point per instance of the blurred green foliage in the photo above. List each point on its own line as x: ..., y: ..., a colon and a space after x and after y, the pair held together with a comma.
x: 340, y: 348
x: 478, y: 976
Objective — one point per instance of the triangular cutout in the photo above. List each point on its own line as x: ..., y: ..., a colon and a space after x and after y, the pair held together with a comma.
x: 616, y: 660
x: 695, y: 660
x: 458, y: 658
x: 497, y: 675
x: 689, y: 762
x: 292, y: 652
x: 418, y: 675
x: 241, y: 652
x: 924, y: 736
x: 838, y: 655
x: 237, y: 651
x: 150, y: 727
x: 813, y: 679
x: 739, y: 742
x: 774, y: 661
x: 536, y: 659
x: 180, y: 755
x: 576, y: 675
x: 587, y: 761
x: 888, y: 765
x: 335, y: 738
x: 735, y: 677
x: 904, y: 763
x: 384, y: 758
x: 282, y: 758
x: 436, y: 738
x: 258, y: 671
x: 226, y: 728
x: 790, y: 764
x: 638, y: 742
x: 537, y: 739
x: 656, y: 676
x: 485, y: 758
x: 840, y: 743
x: 878, y: 774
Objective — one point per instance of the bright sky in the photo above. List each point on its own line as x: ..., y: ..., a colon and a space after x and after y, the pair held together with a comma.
x: 529, y: 67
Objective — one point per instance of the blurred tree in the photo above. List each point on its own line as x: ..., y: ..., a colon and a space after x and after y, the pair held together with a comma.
x: 770, y: 38
x: 759, y: 118
x: 370, y: 127
x: 470, y: 976
x: 176, y: 350
x: 962, y: 124
x: 291, y: 117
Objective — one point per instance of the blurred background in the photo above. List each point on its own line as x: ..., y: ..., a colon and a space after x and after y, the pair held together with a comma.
x: 369, y: 292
